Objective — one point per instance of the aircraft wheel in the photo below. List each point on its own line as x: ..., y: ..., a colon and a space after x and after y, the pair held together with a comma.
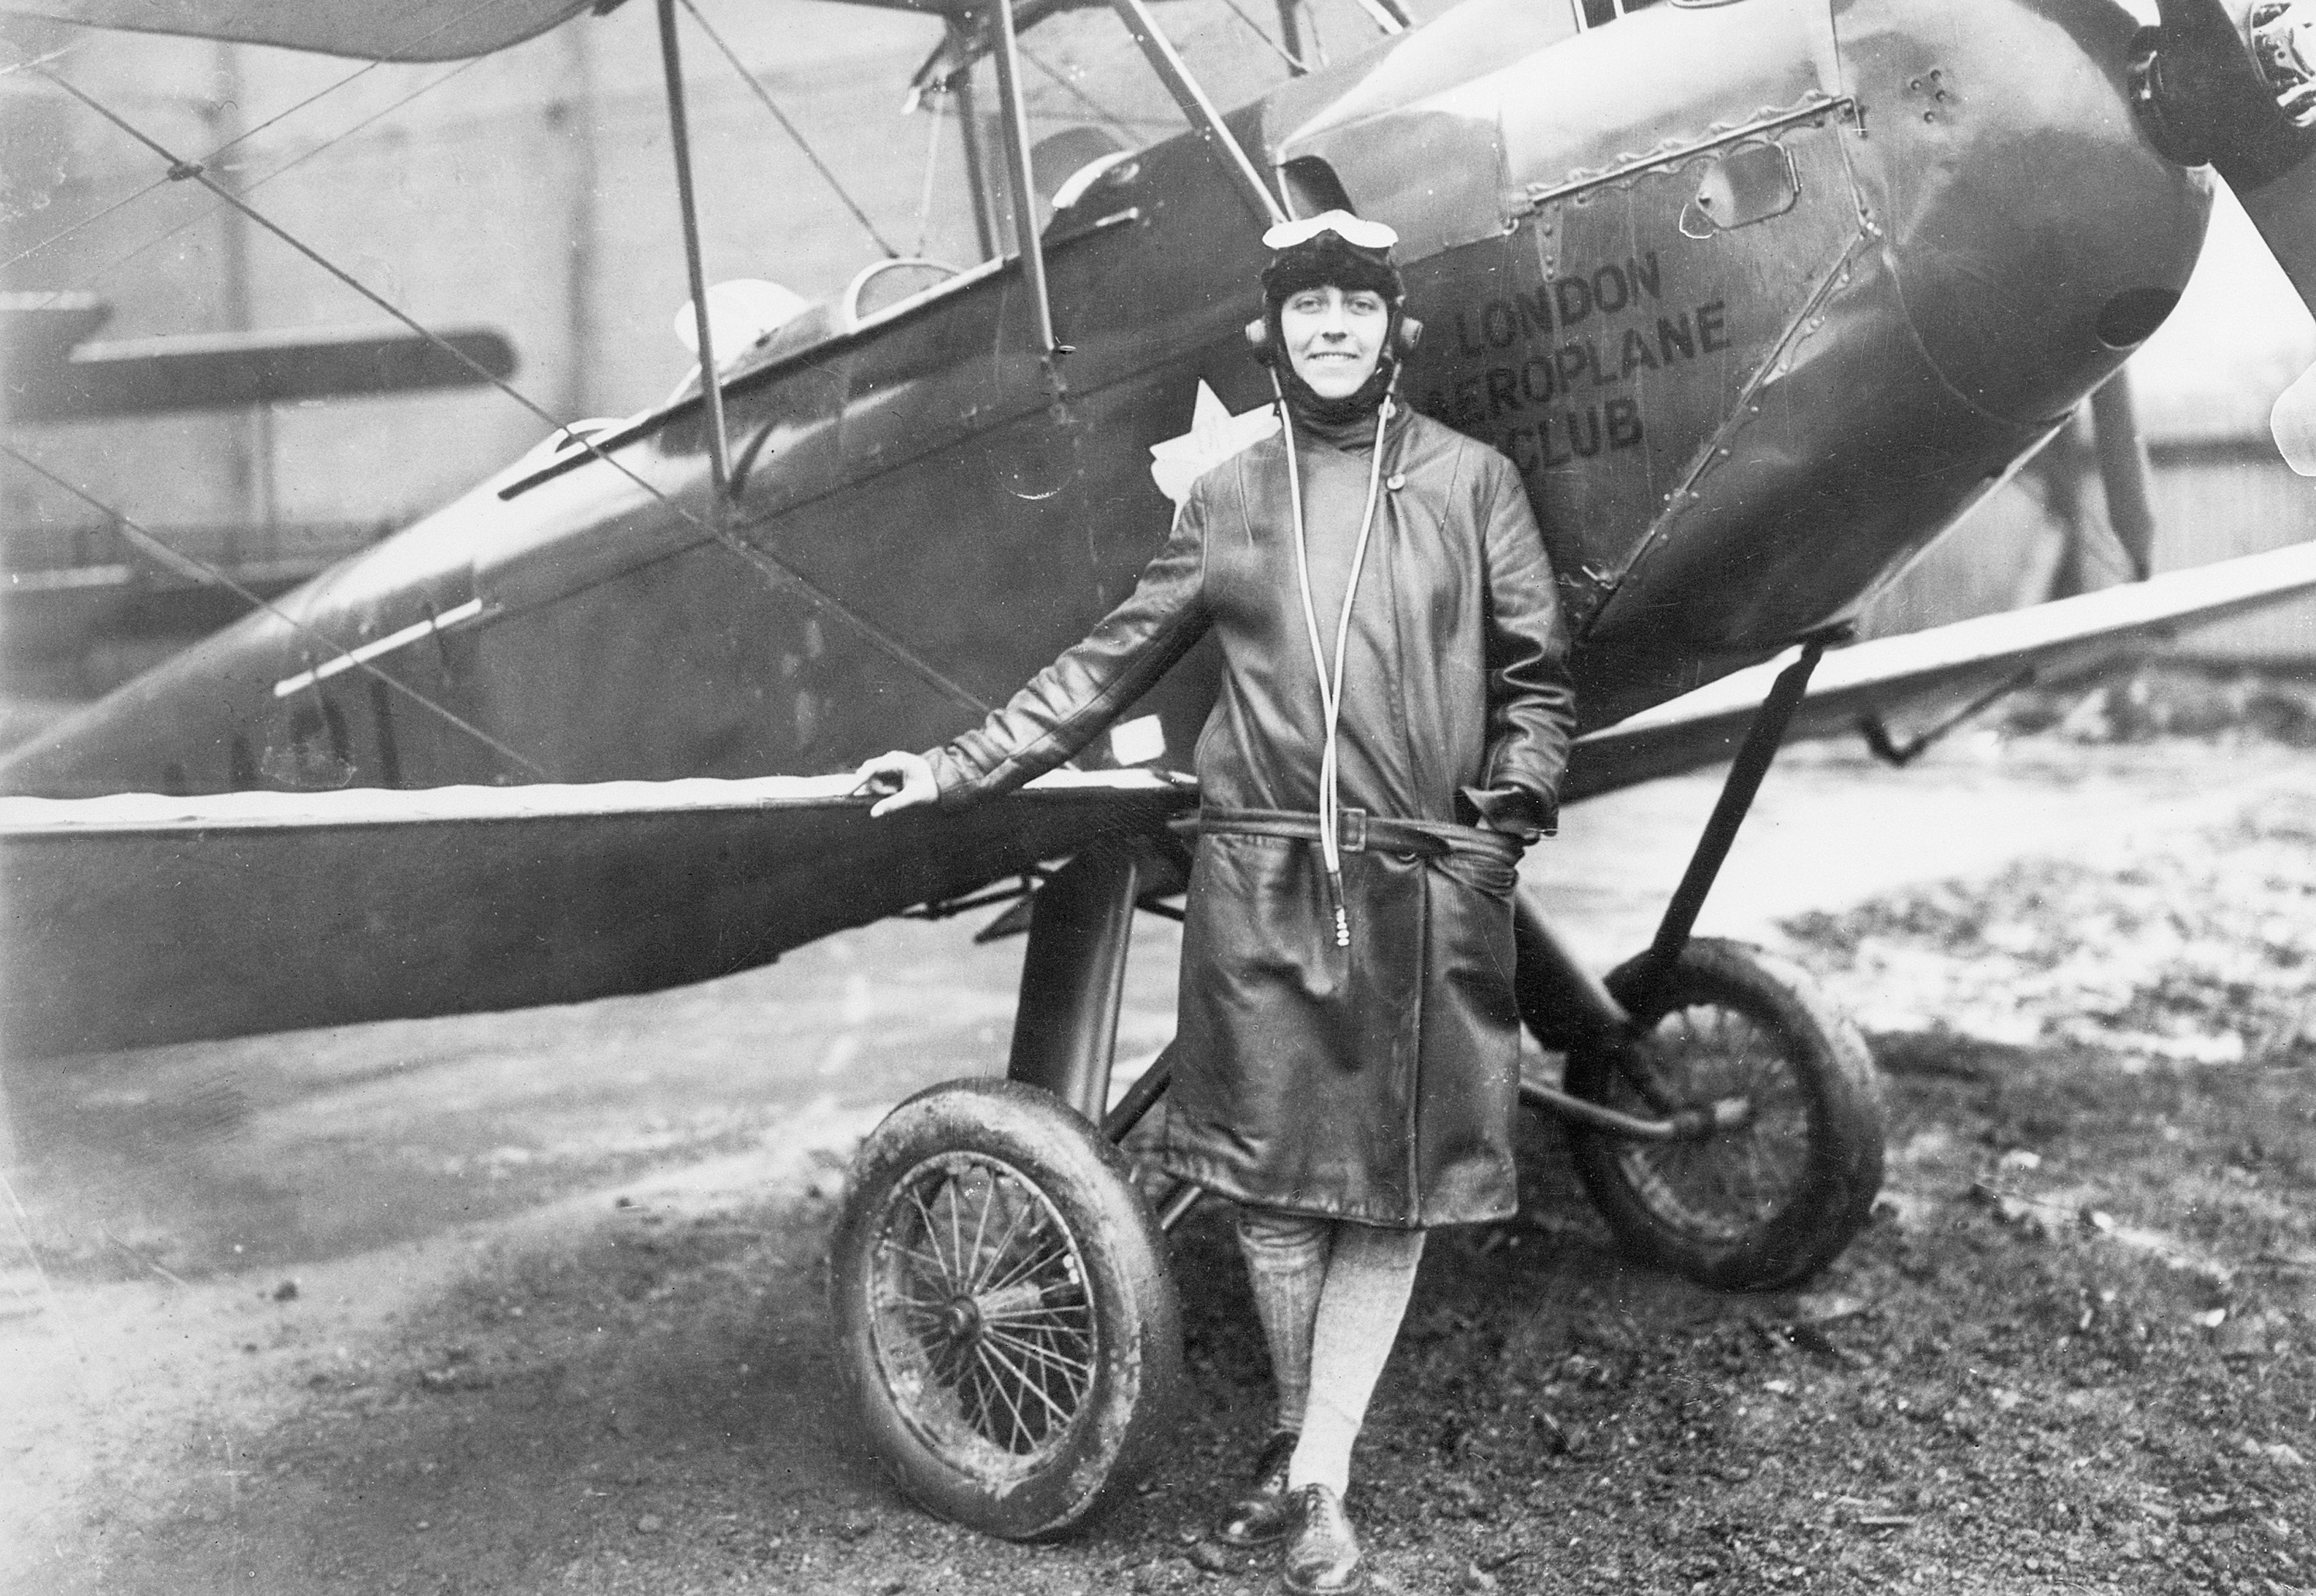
x: 1005, y: 1314
x: 1773, y: 1189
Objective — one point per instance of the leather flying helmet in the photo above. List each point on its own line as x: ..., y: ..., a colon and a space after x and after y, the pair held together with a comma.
x: 1333, y: 249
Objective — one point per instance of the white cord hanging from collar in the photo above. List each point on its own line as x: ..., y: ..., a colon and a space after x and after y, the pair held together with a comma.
x: 1330, y: 683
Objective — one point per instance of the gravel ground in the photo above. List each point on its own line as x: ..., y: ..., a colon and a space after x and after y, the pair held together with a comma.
x: 2072, y: 1352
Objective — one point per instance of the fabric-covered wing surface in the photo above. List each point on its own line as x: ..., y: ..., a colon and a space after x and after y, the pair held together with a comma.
x: 1934, y: 671
x: 399, y: 31
x: 135, y: 920
x: 369, y: 30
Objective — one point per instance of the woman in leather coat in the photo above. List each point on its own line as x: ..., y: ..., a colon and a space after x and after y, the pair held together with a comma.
x: 1390, y: 734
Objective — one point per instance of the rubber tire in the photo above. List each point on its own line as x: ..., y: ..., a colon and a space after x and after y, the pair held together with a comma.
x: 1130, y: 1284
x: 1841, y: 1160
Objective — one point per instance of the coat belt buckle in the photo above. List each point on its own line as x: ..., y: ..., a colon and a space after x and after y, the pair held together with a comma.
x: 1351, y: 834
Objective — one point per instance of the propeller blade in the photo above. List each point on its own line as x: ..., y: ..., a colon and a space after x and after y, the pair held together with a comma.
x: 2293, y: 423
x: 2235, y: 87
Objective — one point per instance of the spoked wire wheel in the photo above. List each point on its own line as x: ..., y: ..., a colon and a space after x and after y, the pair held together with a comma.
x: 1718, y: 1188
x: 980, y: 1314
x: 1005, y: 1316
x: 1784, y: 1155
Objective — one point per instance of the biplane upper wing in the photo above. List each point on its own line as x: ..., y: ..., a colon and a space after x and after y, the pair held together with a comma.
x: 404, y: 31
x: 141, y: 919
x: 1935, y: 671
x: 407, y: 31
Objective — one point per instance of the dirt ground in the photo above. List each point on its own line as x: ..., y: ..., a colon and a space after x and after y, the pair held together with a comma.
x: 532, y: 1302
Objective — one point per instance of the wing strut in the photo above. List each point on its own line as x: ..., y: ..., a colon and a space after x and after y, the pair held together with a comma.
x: 1193, y: 98
x: 713, y: 526
x: 1290, y: 38
x: 711, y: 381
x: 975, y: 167
x: 1015, y: 115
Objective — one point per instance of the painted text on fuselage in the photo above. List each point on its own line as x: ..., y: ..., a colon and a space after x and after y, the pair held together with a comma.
x: 1541, y: 361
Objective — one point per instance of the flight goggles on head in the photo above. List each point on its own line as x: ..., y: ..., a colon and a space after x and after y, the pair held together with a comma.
x: 1353, y: 230
x: 1333, y: 248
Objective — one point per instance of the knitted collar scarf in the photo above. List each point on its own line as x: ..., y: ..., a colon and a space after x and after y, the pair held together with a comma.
x: 1337, y: 421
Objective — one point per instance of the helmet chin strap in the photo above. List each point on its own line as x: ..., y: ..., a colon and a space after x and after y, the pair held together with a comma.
x: 1331, y: 682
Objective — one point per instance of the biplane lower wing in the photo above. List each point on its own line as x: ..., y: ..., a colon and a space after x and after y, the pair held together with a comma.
x: 135, y: 920
x: 1929, y: 674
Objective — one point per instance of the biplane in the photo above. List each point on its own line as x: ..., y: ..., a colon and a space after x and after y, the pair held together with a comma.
x: 1761, y: 296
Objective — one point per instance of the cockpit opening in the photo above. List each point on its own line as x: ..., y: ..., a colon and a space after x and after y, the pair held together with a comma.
x: 1313, y: 187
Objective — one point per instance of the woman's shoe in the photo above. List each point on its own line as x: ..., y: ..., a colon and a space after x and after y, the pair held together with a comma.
x: 1322, y: 1554
x: 1258, y: 1518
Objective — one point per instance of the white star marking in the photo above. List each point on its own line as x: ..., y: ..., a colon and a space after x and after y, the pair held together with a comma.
x: 1215, y: 436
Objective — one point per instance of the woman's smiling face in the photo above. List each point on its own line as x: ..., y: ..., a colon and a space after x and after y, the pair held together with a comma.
x: 1334, y: 337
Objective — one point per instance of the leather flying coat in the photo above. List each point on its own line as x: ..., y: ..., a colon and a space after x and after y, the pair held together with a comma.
x: 1374, y: 1083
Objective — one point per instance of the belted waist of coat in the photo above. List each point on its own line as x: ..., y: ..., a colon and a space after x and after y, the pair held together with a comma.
x: 1356, y: 831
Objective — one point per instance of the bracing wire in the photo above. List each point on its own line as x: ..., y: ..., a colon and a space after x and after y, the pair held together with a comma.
x: 363, y: 70
x: 85, y: 222
x: 211, y: 573
x: 1276, y: 48
x: 24, y: 1226
x: 1077, y: 93
x: 246, y: 133
x: 793, y: 131
x: 59, y: 54
x: 933, y: 167
x: 159, y: 239
x: 766, y: 565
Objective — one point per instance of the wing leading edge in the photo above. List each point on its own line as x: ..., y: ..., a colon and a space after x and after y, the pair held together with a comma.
x: 1932, y: 670
x: 399, y: 30
x: 135, y: 920
x: 402, y: 31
